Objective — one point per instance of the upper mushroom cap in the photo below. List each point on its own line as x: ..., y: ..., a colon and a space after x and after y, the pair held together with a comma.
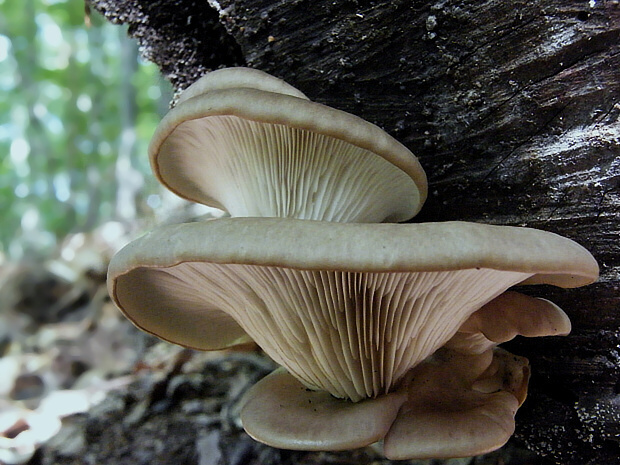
x: 262, y: 153
x: 239, y: 77
x: 347, y: 308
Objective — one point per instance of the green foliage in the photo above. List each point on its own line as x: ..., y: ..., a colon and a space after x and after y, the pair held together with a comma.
x: 77, y: 107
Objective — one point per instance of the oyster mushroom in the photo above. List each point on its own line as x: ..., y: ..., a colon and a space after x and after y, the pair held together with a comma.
x: 353, y: 312
x: 281, y: 411
x: 347, y: 308
x: 444, y: 408
x: 507, y: 316
x: 450, y: 410
x: 236, y: 78
x: 248, y: 143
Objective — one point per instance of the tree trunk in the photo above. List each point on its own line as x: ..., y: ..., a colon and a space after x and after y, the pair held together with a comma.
x: 513, y: 108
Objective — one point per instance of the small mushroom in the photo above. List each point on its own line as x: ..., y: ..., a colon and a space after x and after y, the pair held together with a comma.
x: 255, y: 146
x: 449, y: 413
x: 347, y: 308
x: 280, y: 411
x: 236, y: 78
x: 507, y: 316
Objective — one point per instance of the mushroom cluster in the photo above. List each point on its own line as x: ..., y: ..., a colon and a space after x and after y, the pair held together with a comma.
x: 385, y: 331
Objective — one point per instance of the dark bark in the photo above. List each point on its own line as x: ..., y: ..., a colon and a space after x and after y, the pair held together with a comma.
x: 514, y: 111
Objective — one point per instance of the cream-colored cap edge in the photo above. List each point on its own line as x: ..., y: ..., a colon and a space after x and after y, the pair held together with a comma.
x: 238, y: 77
x: 321, y: 245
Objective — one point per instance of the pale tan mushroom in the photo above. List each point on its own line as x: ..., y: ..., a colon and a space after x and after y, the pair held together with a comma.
x: 507, y: 316
x: 280, y: 411
x: 346, y: 308
x: 236, y: 78
x: 450, y: 405
x: 357, y: 312
x: 262, y: 149
x: 458, y: 405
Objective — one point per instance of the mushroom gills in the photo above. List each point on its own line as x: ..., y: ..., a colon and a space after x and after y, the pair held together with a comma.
x: 255, y: 169
x: 353, y: 334
x: 274, y: 154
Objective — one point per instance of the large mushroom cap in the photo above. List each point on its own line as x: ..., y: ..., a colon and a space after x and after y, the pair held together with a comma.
x: 262, y: 153
x: 347, y: 308
x: 239, y: 77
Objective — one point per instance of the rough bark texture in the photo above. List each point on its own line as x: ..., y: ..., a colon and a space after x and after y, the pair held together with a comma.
x: 513, y: 108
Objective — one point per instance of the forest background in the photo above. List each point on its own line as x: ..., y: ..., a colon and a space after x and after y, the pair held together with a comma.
x: 78, y: 107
